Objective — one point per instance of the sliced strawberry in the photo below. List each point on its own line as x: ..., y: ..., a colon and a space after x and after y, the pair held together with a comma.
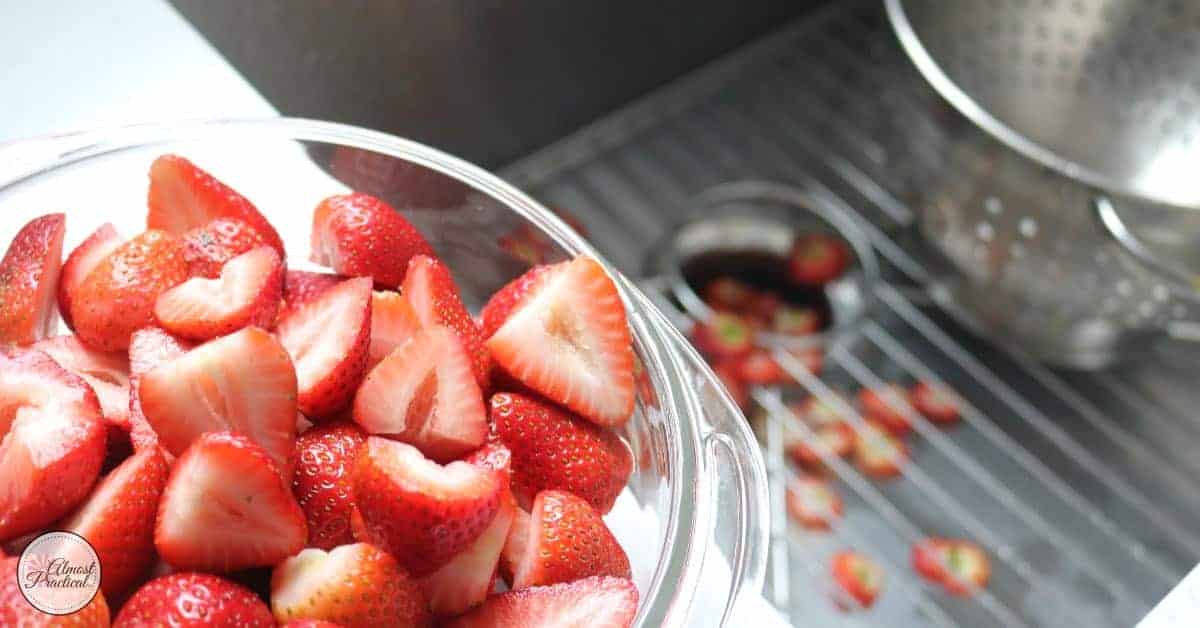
x: 791, y: 320
x: 118, y: 520
x: 225, y: 508
x: 148, y: 348
x: 570, y: 341
x: 106, y: 373
x: 878, y: 452
x: 567, y: 540
x: 301, y: 286
x: 117, y: 297
x: 419, y: 511
x: 362, y: 236
x: 728, y: 294
x: 311, y: 623
x: 430, y: 290
x: 599, y: 602
x: 832, y: 439
x: 886, y: 405
x: 816, y: 412
x: 762, y: 308
x: 393, y: 323
x: 207, y: 249
x: 183, y: 197
x: 246, y: 294
x: 194, y: 600
x: 506, y: 299
x: 812, y: 503
x: 354, y: 586
x: 242, y: 382
x: 760, y: 368
x: 81, y: 262
x: 729, y: 374
x: 16, y: 611
x: 328, y: 339
x: 938, y: 403
x: 321, y: 483
x: 424, y: 394
x: 817, y: 258
x: 555, y: 449
x: 515, y: 545
x: 857, y: 576
x: 53, y: 441
x: 723, y: 336
x: 29, y: 280
x: 962, y: 567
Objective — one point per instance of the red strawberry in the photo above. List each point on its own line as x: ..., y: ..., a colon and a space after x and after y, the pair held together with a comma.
x: 321, y: 482
x: 554, y: 449
x: 857, y: 576
x: 183, y: 197
x: 729, y: 374
x: 362, y: 236
x: 567, y: 540
x: 570, y: 341
x: 727, y: 294
x: 878, y: 452
x: 886, y: 404
x: 962, y: 567
x: 246, y: 294
x: 393, y: 323
x: 817, y: 259
x: 419, y: 511
x: 424, y: 394
x: 28, y: 280
x: 16, y: 611
x: 301, y: 286
x: 599, y: 602
x: 225, y: 508
x: 117, y: 297
x: 106, y: 373
x: 194, y: 600
x: 795, y: 321
x: 148, y: 348
x: 506, y: 299
x: 812, y: 503
x: 118, y: 519
x: 52, y: 445
x: 328, y: 339
x: 833, y: 439
x: 724, y: 336
x: 760, y: 368
x: 815, y: 412
x: 208, y: 248
x: 311, y: 623
x: 938, y: 403
x: 81, y: 262
x: 355, y: 586
x: 430, y: 290
x: 242, y: 382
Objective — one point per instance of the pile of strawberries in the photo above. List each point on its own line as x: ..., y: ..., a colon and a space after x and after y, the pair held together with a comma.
x: 354, y: 443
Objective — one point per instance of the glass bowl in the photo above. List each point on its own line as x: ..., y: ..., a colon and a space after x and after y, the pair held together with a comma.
x: 693, y: 516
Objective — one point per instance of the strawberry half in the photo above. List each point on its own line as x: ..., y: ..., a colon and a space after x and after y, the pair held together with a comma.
x: 29, y: 280
x: 421, y: 512
x: 321, y: 482
x: 301, y: 286
x: 878, y: 452
x: 567, y: 540
x: 962, y: 567
x: 501, y: 305
x: 729, y: 374
x: 81, y: 262
x: 760, y: 368
x: 225, y: 508
x: 817, y: 258
x: 362, y: 236
x: 328, y: 339
x: 727, y: 294
x: 355, y: 586
x: 430, y: 290
x: 792, y: 320
x: 183, y: 197
x: 515, y: 546
x: 857, y: 576
x: 570, y: 341
x: 425, y: 394
x: 106, y: 373
x: 194, y: 600
x: 599, y: 602
x: 812, y: 503
x: 885, y: 404
x: 117, y: 297
x: 15, y: 610
x: 246, y: 294
x: 832, y: 439
x: 555, y: 449
x: 53, y: 441
x: 207, y: 249
x: 938, y: 403
x: 118, y: 519
x: 148, y: 348
x: 393, y: 323
x: 242, y: 382
x: 724, y: 336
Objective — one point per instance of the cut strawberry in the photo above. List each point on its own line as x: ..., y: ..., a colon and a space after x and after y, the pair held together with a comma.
x: 53, y: 441
x: 355, y: 586
x: 193, y: 600
x: 16, y: 611
x: 832, y: 439
x: 506, y: 299
x: 886, y: 405
x: 118, y: 520
x: 246, y: 294
x: 760, y: 368
x: 321, y: 482
x: 183, y: 197
x: 570, y: 341
x: 728, y: 294
x: 311, y: 623
x: 791, y: 320
x: 724, y: 336
x: 514, y: 546
x: 812, y: 503
x: 419, y: 511
x: 816, y: 412
x: 106, y: 373
x: 148, y: 348
x: 225, y: 508
x: 817, y: 258
x: 729, y: 374
x: 328, y: 339
x: 242, y: 382
x: 430, y: 290
x: 878, y: 452
x: 81, y: 262
x: 938, y: 403
x: 599, y: 602
x: 393, y: 323
x: 301, y: 286
x: 857, y: 576
x: 207, y: 249
x: 567, y: 540
x: 425, y: 394
x: 962, y: 567
x: 362, y: 236
x: 117, y: 297
x: 763, y: 307
x: 29, y: 281
x: 555, y: 449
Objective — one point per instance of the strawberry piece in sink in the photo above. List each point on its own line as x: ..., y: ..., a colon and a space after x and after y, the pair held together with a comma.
x: 29, y: 280
x: 247, y: 293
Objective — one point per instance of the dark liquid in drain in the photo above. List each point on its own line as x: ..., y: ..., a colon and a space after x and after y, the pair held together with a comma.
x: 758, y: 269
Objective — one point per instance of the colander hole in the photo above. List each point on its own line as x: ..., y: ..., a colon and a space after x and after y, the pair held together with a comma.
x: 993, y: 205
x: 1124, y: 287
x: 1027, y: 227
x: 985, y: 231
x: 1160, y: 292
